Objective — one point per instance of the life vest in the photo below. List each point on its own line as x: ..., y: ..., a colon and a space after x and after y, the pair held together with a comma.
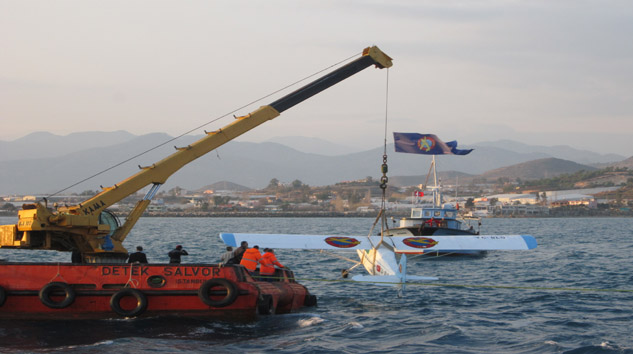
x: 268, y: 263
x: 250, y: 259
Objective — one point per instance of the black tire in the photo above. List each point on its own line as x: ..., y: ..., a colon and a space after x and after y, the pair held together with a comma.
x: 3, y: 296
x: 265, y: 305
x: 141, y: 302
x: 231, y: 292
x: 310, y: 300
x: 45, y: 295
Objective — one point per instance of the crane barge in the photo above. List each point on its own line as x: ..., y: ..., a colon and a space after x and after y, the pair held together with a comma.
x: 103, y: 284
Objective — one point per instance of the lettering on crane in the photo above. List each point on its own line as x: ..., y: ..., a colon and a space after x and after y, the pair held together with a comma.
x: 94, y: 207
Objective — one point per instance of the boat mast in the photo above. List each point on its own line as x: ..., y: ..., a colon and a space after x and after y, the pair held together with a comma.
x: 437, y: 196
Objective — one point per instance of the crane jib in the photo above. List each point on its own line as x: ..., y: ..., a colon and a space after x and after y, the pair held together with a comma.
x: 323, y: 83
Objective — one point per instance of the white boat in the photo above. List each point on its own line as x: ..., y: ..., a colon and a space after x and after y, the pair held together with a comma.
x: 438, y: 219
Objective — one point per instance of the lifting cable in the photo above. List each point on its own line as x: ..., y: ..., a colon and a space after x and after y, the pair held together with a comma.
x: 204, y: 125
x: 384, y: 168
x: 383, y: 186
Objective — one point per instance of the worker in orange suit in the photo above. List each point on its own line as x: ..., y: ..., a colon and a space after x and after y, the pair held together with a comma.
x: 268, y: 263
x: 250, y: 258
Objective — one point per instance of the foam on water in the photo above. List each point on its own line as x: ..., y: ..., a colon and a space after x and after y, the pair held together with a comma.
x: 356, y: 325
x: 307, y: 322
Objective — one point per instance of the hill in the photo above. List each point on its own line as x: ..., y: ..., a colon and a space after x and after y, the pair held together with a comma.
x: 45, y: 145
x: 537, y: 169
x: 628, y: 163
x: 446, y: 176
x: 585, y: 157
x: 111, y: 157
x: 314, y: 145
x: 531, y: 170
x: 224, y: 186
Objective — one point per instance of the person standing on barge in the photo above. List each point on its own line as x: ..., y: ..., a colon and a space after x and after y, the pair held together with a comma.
x: 268, y: 263
x: 138, y: 256
x: 227, y: 256
x: 238, y: 253
x: 251, y: 258
x: 174, y: 255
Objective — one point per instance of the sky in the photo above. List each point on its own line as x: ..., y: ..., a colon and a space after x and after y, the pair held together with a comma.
x: 539, y: 72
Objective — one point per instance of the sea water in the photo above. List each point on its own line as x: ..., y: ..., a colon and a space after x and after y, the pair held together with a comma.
x: 573, y: 294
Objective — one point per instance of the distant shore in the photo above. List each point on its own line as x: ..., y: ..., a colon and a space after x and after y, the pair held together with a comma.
x: 324, y: 214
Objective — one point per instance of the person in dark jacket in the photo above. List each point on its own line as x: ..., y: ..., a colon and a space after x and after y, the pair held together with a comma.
x: 238, y: 253
x: 76, y: 257
x: 174, y: 255
x: 138, y: 256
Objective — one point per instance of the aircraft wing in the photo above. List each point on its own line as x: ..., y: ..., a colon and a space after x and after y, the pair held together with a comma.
x: 314, y: 242
x: 403, y: 244
x: 455, y: 243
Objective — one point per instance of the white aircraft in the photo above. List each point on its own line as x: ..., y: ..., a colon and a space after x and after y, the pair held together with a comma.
x: 385, y: 257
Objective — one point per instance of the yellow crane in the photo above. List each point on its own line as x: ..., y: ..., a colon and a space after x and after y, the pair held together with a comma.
x: 91, y: 229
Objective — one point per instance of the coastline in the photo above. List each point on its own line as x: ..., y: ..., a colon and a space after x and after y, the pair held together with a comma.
x: 327, y: 214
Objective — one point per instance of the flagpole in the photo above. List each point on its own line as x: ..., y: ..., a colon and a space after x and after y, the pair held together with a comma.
x: 436, y: 197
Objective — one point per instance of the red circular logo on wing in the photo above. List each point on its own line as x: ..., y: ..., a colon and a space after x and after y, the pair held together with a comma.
x: 342, y: 242
x: 419, y: 242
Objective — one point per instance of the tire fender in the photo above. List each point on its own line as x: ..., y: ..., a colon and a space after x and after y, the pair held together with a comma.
x: 3, y: 296
x: 231, y: 292
x: 265, y: 305
x: 310, y: 300
x: 141, y: 302
x: 45, y: 295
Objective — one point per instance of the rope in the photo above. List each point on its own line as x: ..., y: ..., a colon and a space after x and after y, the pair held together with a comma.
x: 58, y: 275
x: 426, y: 181
x: 202, y: 125
x: 479, y: 286
x: 131, y: 281
x: 430, y: 256
x: 340, y: 257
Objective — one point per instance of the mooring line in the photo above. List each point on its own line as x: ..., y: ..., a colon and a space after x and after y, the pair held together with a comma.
x: 478, y: 286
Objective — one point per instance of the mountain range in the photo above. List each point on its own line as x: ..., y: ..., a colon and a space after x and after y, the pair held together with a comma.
x: 44, y: 163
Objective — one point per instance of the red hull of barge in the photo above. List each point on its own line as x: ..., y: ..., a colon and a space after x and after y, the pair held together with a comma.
x: 66, y: 291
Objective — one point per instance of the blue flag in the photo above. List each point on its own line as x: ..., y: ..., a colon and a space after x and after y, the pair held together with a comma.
x: 427, y: 144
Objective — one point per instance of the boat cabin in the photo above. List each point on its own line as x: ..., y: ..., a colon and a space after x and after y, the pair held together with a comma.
x: 446, y: 216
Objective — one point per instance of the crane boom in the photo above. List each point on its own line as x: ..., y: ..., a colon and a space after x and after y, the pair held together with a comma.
x: 89, y: 228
